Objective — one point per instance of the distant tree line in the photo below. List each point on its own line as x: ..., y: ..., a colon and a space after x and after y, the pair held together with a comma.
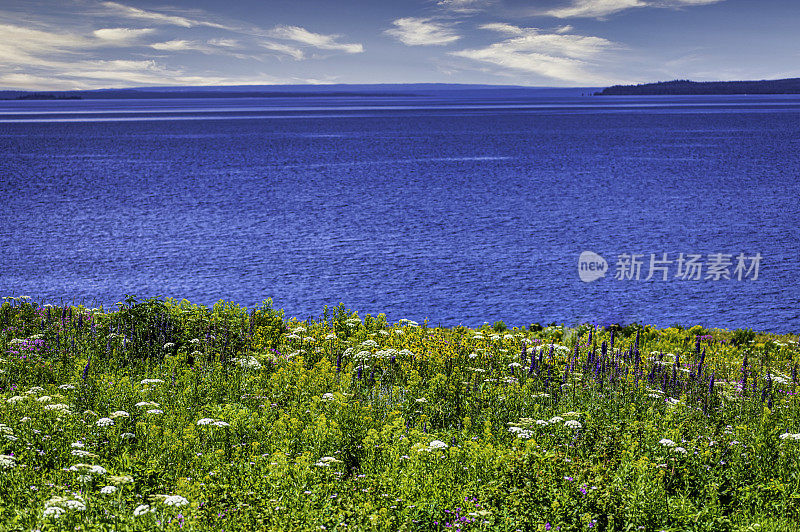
x: 686, y: 87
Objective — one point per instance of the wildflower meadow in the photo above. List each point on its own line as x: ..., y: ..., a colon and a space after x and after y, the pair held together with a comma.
x: 165, y: 415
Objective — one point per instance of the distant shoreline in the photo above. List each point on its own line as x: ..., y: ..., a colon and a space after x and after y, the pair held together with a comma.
x: 404, y: 90
x: 685, y: 87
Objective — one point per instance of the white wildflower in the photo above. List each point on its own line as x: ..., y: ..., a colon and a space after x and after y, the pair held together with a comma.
x: 73, y: 504
x: 108, y: 490
x: 175, y: 500
x: 104, y: 422
x: 141, y: 510
x: 572, y: 424
x: 53, y: 511
x: 81, y: 453
x: 205, y: 421
x: 666, y: 442
x: 247, y: 362
x: 60, y: 407
x: 326, y: 461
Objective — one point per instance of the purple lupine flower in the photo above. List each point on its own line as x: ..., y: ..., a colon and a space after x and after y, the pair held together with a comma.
x: 711, y: 385
x: 360, y: 372
x: 794, y: 374
x: 86, y: 369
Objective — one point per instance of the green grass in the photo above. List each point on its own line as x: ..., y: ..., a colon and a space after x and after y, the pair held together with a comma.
x: 167, y: 415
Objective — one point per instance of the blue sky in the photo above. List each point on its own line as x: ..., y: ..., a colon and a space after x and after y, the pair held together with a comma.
x: 86, y: 44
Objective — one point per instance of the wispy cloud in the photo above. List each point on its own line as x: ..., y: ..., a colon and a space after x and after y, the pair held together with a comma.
x: 63, y: 53
x: 317, y: 40
x: 121, y: 35
x: 413, y: 31
x: 465, y: 6
x: 603, y: 8
x: 158, y: 18
x: 178, y: 45
x: 283, y: 49
x: 559, y: 56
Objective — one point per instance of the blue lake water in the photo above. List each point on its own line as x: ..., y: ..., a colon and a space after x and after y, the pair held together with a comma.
x: 457, y: 210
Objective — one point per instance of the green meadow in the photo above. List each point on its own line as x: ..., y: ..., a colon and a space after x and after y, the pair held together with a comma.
x: 165, y: 415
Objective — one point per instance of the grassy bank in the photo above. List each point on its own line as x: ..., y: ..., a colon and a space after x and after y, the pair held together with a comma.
x: 166, y: 415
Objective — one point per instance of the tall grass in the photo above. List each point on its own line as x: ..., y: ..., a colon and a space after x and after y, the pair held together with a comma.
x: 160, y: 414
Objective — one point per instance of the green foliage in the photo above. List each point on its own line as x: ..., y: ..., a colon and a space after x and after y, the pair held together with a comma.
x: 499, y: 326
x: 743, y: 336
x: 251, y: 421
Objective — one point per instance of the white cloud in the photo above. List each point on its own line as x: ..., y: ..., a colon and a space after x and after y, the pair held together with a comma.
x: 292, y: 51
x: 158, y: 18
x: 227, y: 43
x: 559, y: 56
x: 120, y: 35
x: 317, y: 40
x: 465, y: 6
x: 602, y: 8
x: 502, y: 27
x: 178, y: 45
x: 414, y: 31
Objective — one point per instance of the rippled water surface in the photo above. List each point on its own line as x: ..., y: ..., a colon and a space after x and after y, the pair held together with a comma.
x: 461, y: 211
